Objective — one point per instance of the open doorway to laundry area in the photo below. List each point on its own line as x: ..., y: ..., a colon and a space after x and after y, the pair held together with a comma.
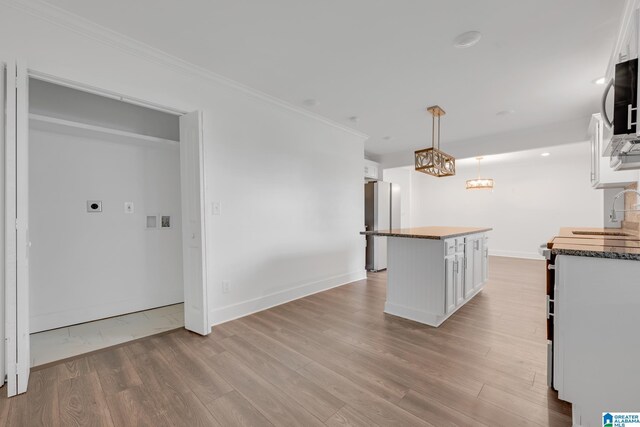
x: 104, y: 205
x: 104, y: 221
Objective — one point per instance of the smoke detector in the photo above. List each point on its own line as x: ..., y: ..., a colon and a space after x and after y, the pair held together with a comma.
x: 467, y: 39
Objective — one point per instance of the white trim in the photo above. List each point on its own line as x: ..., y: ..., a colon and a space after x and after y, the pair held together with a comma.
x: 3, y: 138
x: 87, y: 28
x: 515, y: 254
x: 244, y: 308
x: 196, y: 307
x: 22, y: 226
x: 10, y: 232
x: 58, y: 319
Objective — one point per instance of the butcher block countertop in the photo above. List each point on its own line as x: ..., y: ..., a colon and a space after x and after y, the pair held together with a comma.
x: 596, y: 242
x: 433, y: 232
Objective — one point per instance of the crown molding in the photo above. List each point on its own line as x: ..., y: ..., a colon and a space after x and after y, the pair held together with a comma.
x: 87, y: 28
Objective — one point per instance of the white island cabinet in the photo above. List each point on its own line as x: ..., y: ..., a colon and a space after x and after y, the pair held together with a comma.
x: 433, y: 271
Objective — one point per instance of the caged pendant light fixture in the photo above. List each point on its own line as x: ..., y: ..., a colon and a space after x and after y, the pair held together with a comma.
x: 432, y: 160
x: 480, y: 183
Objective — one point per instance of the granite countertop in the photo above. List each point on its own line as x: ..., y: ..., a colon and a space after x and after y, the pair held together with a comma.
x: 597, y: 242
x: 433, y: 232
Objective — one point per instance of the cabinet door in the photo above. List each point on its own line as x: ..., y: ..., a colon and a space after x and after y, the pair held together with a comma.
x: 477, y: 263
x: 468, y: 264
x: 449, y: 283
x: 485, y: 259
x: 459, y: 278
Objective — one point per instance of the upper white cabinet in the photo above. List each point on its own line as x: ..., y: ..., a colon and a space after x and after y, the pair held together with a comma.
x: 626, y: 46
x: 602, y: 175
x: 372, y: 170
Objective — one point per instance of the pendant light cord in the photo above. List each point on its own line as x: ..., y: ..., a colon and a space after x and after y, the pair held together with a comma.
x: 433, y: 131
x: 438, y: 131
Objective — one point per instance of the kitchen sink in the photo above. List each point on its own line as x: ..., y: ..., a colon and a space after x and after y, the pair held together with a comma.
x: 600, y: 233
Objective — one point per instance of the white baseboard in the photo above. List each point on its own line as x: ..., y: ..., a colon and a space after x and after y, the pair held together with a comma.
x: 244, y: 308
x: 422, y: 316
x: 419, y: 316
x: 44, y: 322
x: 515, y: 254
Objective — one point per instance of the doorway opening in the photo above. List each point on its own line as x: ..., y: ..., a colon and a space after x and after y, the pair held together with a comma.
x: 117, y: 210
x: 104, y: 201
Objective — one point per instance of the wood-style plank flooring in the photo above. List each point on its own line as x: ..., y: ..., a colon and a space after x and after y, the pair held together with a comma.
x: 332, y: 359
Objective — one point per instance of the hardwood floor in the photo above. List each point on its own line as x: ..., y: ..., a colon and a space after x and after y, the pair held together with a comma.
x: 332, y: 359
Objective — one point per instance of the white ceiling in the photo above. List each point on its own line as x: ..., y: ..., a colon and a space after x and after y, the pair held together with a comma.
x: 385, y: 61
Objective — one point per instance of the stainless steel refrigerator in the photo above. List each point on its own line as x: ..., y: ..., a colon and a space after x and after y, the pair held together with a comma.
x: 381, y: 212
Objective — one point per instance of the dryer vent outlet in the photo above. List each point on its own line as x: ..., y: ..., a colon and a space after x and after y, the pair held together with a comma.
x: 94, y: 206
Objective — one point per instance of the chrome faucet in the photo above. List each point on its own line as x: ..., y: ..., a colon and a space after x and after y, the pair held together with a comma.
x: 613, y: 216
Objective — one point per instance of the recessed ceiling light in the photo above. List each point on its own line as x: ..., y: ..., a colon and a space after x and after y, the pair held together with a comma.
x: 467, y: 39
x: 310, y: 102
x: 505, y: 112
x: 599, y: 81
x: 545, y: 154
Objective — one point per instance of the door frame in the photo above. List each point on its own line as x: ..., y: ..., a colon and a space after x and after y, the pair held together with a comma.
x: 3, y: 138
x: 10, y: 229
x: 20, y: 308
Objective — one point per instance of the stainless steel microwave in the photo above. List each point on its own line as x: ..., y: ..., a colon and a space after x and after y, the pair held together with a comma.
x: 625, y: 97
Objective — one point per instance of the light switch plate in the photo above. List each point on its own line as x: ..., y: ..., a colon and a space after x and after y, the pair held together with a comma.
x: 128, y: 207
x: 216, y: 208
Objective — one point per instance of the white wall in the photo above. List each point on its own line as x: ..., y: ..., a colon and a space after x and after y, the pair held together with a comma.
x: 533, y: 197
x: 86, y: 266
x: 290, y: 184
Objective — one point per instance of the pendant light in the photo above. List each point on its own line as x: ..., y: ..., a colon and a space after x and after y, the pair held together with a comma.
x: 432, y: 161
x: 480, y: 183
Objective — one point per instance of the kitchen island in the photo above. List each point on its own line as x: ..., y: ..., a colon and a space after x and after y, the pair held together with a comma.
x: 433, y: 271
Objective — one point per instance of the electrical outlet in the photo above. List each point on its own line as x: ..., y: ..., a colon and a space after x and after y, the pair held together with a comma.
x: 216, y: 208
x: 225, y: 286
